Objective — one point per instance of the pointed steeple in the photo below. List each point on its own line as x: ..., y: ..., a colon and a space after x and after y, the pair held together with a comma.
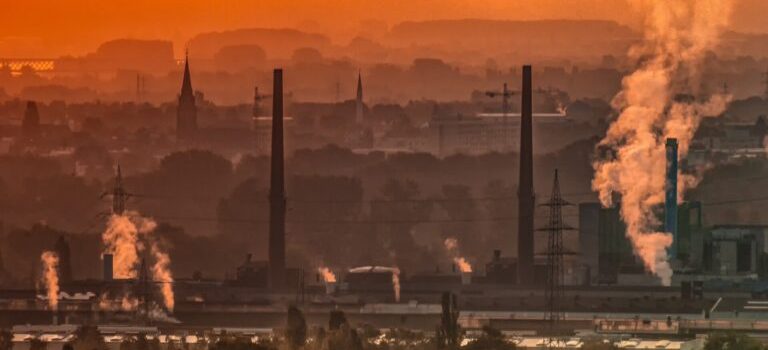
x: 186, y: 83
x: 186, y: 114
x: 359, y: 99
x: 359, y: 86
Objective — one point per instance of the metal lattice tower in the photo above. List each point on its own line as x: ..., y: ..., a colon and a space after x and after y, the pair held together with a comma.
x: 119, y: 196
x: 555, y: 274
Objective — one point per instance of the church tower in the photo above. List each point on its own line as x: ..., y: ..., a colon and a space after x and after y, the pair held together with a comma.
x: 186, y: 114
x: 359, y: 100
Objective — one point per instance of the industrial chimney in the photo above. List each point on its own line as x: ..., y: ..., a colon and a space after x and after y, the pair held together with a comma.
x: 107, y: 266
x: 525, y: 194
x: 277, y: 189
x: 670, y: 205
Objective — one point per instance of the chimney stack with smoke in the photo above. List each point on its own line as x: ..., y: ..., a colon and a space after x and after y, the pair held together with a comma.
x: 277, y: 189
x: 526, y: 197
x: 670, y: 205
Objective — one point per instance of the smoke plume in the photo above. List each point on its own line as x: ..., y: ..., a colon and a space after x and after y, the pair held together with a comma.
x: 396, y: 283
x: 51, y: 278
x: 659, y: 100
x: 452, y: 246
x: 161, y: 273
x: 122, y: 240
x: 328, y: 275
x: 129, y: 235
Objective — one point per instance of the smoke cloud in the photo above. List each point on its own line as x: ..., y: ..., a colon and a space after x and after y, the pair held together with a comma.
x: 452, y: 246
x: 51, y: 278
x: 659, y: 100
x: 328, y: 275
x: 129, y: 235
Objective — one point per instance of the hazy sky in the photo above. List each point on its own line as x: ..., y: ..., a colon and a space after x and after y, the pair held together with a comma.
x: 55, y: 27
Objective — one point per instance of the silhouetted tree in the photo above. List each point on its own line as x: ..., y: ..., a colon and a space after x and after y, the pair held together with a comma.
x: 492, y: 339
x: 296, y: 329
x: 449, y: 330
x: 336, y: 320
x: 88, y: 338
x: 720, y: 341
x: 6, y: 340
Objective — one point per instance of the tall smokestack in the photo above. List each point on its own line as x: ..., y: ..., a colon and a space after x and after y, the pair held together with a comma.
x: 277, y: 189
x: 525, y: 195
x: 108, y: 267
x: 670, y: 205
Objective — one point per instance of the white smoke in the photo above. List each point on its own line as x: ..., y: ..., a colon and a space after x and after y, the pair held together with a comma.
x: 678, y: 34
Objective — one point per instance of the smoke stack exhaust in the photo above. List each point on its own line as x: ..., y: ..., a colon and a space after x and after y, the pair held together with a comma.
x: 108, y: 267
x: 526, y: 197
x: 277, y: 189
x: 670, y: 205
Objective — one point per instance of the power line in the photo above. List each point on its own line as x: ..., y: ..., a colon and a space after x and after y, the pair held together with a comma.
x: 358, y: 222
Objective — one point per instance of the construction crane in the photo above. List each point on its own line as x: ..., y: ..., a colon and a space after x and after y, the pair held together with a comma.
x: 505, y: 94
x: 257, y: 102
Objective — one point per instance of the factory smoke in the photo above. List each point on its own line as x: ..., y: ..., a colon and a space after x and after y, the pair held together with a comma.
x: 129, y: 235
x: 452, y: 246
x: 122, y: 240
x: 396, y: 283
x: 659, y: 100
x: 161, y: 273
x: 51, y: 278
x: 328, y: 275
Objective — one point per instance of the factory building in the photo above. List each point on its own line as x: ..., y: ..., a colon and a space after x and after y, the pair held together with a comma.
x: 736, y: 250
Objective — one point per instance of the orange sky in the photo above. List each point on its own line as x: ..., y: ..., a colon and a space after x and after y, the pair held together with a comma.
x: 57, y: 27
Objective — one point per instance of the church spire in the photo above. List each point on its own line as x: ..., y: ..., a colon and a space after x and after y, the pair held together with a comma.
x: 186, y: 114
x: 186, y: 84
x: 359, y: 99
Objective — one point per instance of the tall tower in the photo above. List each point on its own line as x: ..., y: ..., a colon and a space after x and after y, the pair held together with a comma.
x: 670, y: 196
x: 359, y: 100
x: 277, y: 189
x: 186, y: 114
x: 555, y: 278
x: 65, y: 262
x: 525, y: 193
x: 119, y: 196
x: 30, y: 125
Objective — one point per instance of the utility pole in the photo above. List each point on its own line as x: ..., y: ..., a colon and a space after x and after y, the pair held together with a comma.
x: 555, y: 274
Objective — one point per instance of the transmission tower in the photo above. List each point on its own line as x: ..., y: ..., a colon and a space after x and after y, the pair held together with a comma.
x: 119, y: 196
x: 555, y: 274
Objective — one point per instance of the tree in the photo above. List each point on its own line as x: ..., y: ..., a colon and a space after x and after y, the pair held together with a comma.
x: 336, y: 320
x: 448, y: 333
x: 598, y: 344
x: 296, y: 330
x: 6, y: 340
x: 721, y: 341
x: 88, y: 338
x: 37, y: 344
x: 492, y: 339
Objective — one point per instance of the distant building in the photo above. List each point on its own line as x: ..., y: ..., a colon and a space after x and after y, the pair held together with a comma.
x: 731, y: 250
x: 717, y: 140
x: 482, y: 133
x: 253, y: 273
x: 30, y: 125
x: 186, y: 114
x: 65, y: 262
